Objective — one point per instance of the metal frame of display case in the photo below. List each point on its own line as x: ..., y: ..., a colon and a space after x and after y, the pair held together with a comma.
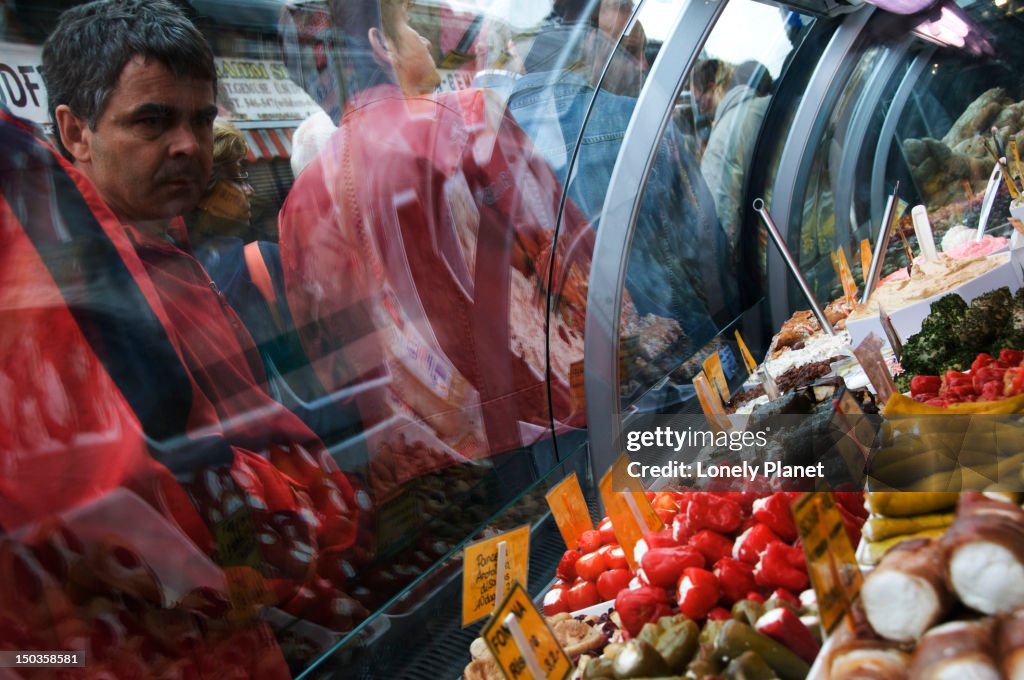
x: 888, y: 132
x: 651, y: 116
x: 794, y: 165
x: 860, y: 122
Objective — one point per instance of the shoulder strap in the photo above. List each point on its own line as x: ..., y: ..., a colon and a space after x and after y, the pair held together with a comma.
x: 260, y: 276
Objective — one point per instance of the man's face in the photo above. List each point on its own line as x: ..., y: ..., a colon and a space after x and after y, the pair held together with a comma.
x: 151, y: 153
x: 414, y: 65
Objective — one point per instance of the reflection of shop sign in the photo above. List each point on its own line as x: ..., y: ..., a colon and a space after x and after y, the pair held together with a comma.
x: 260, y: 89
x: 21, y: 84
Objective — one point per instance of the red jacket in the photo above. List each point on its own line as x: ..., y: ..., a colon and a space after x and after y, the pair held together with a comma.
x: 429, y: 205
x: 88, y: 368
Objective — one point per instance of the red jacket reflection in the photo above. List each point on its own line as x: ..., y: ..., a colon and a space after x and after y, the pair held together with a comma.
x: 416, y: 252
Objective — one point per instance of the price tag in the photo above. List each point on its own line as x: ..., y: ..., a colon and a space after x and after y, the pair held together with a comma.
x: 517, y: 617
x: 713, y: 368
x: 869, y: 356
x: 830, y: 559
x: 628, y: 507
x: 480, y: 571
x: 577, y: 391
x: 247, y: 592
x: 846, y: 276
x: 711, y: 403
x: 569, y: 509
x: 865, y: 259
x: 236, y: 540
x: 748, y: 359
x: 890, y: 333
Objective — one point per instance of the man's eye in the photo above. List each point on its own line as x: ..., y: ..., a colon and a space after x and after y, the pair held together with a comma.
x: 151, y: 122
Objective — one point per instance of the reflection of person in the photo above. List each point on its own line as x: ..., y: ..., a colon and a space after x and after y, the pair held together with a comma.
x: 413, y: 226
x: 708, y: 84
x: 309, y: 138
x: 131, y: 88
x: 224, y: 209
x: 730, y: 147
x: 677, y: 266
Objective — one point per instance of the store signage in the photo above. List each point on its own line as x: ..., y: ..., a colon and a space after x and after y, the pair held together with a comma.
x: 490, y: 568
x: 521, y: 641
x: 748, y: 358
x: 831, y: 562
x: 261, y: 89
x: 713, y: 368
x: 569, y: 509
x: 21, y: 82
x: 628, y: 507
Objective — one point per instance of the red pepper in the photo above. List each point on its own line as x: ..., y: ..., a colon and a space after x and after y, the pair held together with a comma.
x: 660, y: 539
x: 852, y: 524
x: 589, y: 541
x: 710, y: 511
x: 853, y: 501
x: 612, y: 581
x: 1011, y: 357
x: 992, y: 391
x: 566, y: 569
x: 783, y: 596
x: 1013, y: 381
x: 712, y: 545
x: 986, y: 375
x: 639, y: 606
x: 786, y: 628
x: 755, y: 596
x: 982, y: 361
x: 782, y: 566
x: 607, y: 531
x: 736, y: 579
x: 698, y: 593
x: 775, y: 512
x: 752, y: 542
x: 923, y: 384
x: 662, y: 567
x: 681, y: 531
x: 954, y: 379
x: 719, y: 614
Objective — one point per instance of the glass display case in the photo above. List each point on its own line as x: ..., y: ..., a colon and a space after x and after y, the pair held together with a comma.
x: 438, y: 255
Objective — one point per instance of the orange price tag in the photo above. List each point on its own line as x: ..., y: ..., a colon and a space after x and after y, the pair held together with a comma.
x: 569, y: 509
x: 711, y: 403
x: 846, y: 276
x: 521, y: 641
x: 628, y: 507
x: 831, y: 562
x: 480, y: 572
x: 748, y: 358
x: 865, y: 259
x: 713, y: 367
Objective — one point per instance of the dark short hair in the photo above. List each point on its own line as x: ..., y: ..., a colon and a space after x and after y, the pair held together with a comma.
x: 84, y: 56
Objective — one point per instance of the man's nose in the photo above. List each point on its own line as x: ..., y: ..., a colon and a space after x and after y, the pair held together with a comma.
x: 186, y: 141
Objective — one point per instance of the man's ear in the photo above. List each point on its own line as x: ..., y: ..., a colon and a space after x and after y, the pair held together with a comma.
x: 379, y: 45
x: 74, y: 133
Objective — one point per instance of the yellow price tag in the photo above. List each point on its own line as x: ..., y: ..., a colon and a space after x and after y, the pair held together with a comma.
x: 830, y: 558
x: 748, y: 358
x: 569, y: 509
x: 517, y: 625
x: 865, y: 260
x: 713, y: 367
x: 628, y: 507
x: 846, y: 276
x: 480, y: 571
x: 711, y: 403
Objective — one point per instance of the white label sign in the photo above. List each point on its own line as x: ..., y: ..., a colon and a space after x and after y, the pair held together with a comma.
x: 260, y: 89
x: 21, y: 83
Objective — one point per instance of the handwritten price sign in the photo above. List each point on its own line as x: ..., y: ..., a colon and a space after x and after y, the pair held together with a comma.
x: 517, y: 625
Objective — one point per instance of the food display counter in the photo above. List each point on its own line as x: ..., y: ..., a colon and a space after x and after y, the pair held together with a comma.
x: 544, y: 255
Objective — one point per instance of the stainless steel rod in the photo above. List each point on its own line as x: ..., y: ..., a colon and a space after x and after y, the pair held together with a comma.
x: 780, y: 243
x: 881, y: 246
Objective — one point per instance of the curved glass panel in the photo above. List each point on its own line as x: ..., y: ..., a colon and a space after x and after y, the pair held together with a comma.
x: 942, y: 82
x: 291, y: 306
x: 684, y: 274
